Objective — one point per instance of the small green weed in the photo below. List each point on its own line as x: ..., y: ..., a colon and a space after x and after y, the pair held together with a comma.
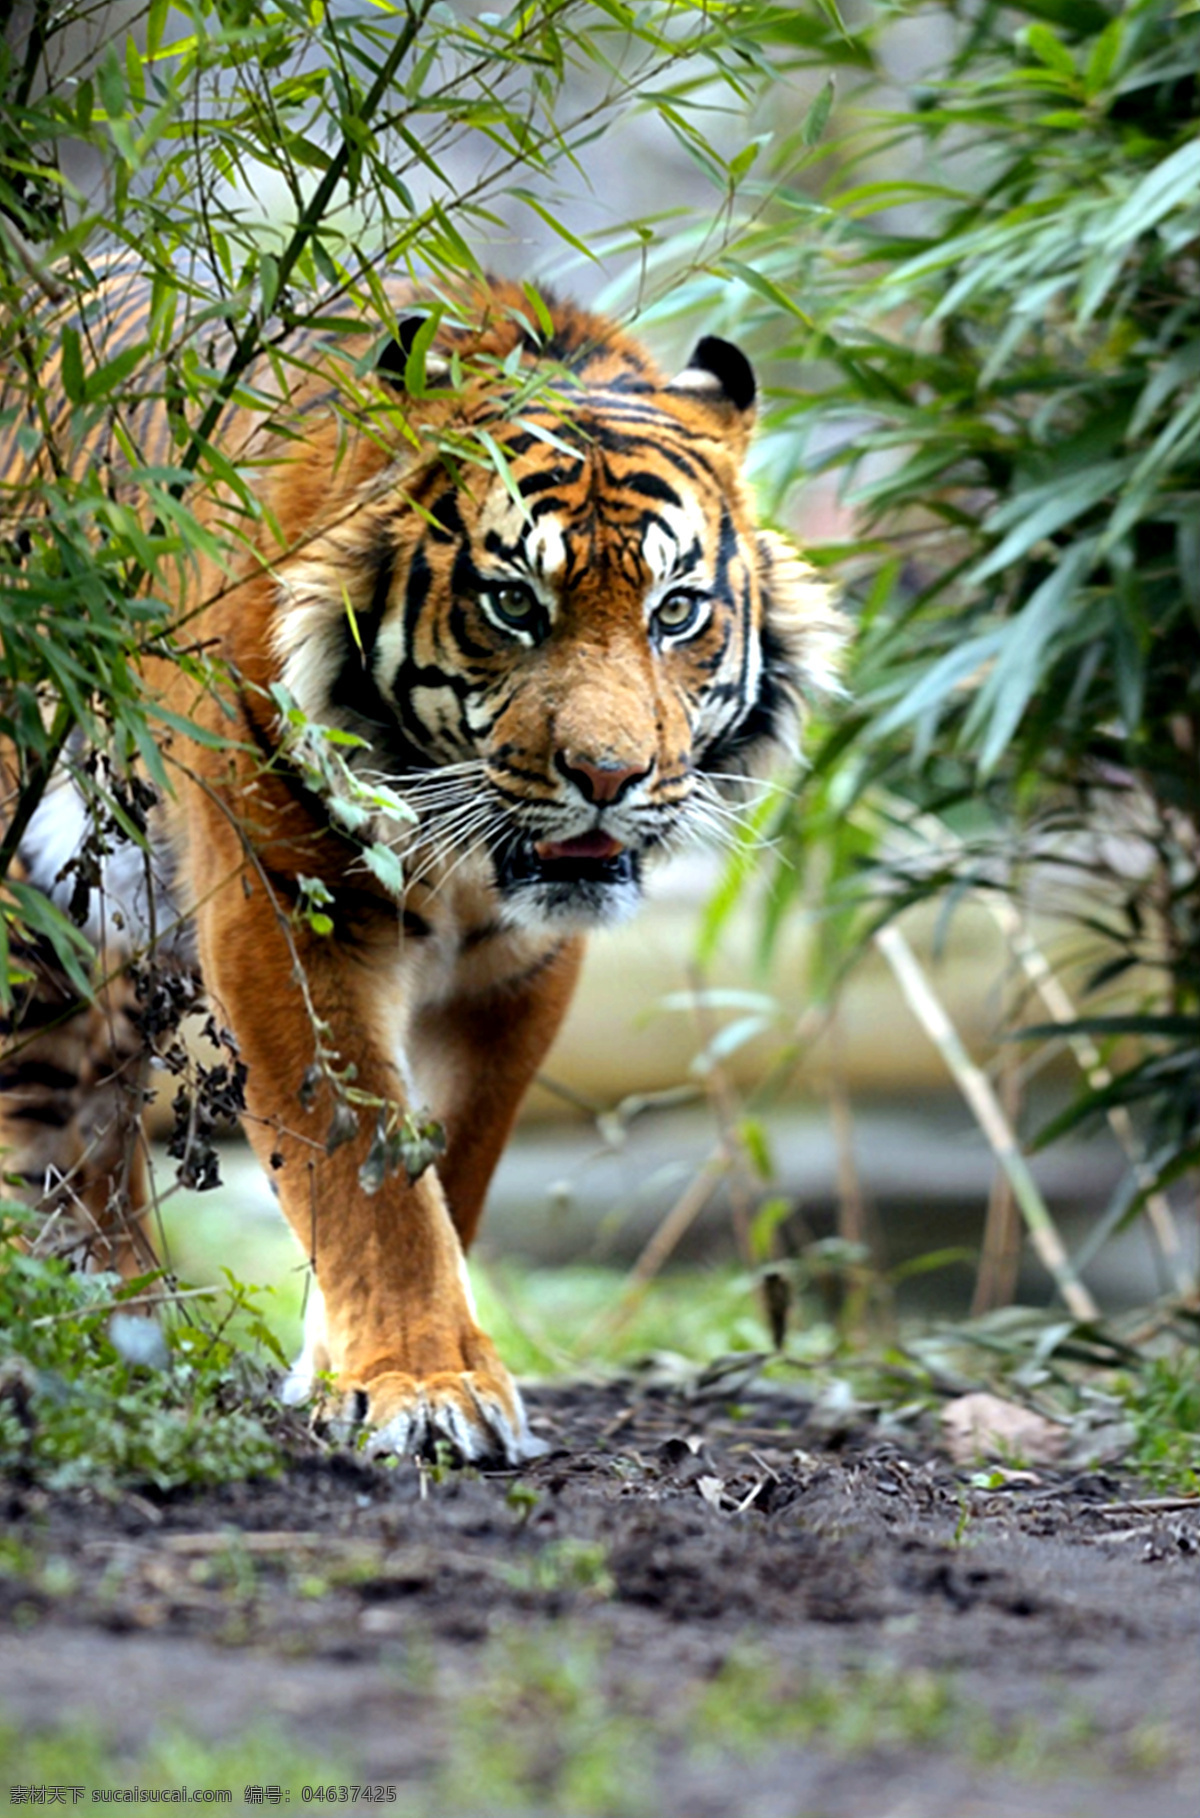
x: 547, y: 1728
x: 522, y: 1499
x: 570, y: 1564
x: 1163, y: 1402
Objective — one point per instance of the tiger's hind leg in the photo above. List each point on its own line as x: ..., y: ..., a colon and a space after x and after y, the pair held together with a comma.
x: 71, y: 1079
x: 114, y: 1185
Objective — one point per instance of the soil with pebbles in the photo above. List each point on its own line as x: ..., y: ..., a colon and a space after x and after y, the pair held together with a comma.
x: 712, y: 1608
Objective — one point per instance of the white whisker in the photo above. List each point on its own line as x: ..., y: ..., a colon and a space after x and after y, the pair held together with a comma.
x: 467, y: 852
x: 460, y: 830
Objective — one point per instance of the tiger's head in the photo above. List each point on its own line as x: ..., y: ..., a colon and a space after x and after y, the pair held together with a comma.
x: 565, y: 654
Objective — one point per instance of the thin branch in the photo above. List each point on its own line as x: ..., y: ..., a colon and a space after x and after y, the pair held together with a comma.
x: 669, y: 1233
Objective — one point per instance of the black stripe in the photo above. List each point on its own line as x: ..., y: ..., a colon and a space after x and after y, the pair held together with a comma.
x: 510, y: 986
x: 761, y: 724
x: 615, y: 441
x: 709, y: 665
x: 520, y: 797
x: 727, y: 550
x: 381, y: 559
x: 476, y: 937
x: 37, y: 1073
x: 459, y: 628
x: 649, y: 486
x: 35, y: 1013
x: 447, y: 519
x: 416, y: 592
x: 534, y: 483
x: 53, y: 1116
x: 355, y: 688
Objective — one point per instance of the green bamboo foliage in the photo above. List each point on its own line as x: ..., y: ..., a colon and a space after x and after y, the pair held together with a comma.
x: 266, y: 164
x: 1000, y: 353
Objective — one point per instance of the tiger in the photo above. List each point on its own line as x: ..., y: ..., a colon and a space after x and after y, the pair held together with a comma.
x: 503, y: 614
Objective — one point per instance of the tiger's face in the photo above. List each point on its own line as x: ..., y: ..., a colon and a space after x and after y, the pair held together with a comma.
x: 571, y: 662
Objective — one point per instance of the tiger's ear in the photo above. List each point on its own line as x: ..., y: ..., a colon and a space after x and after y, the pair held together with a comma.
x: 393, y: 362
x: 720, y: 376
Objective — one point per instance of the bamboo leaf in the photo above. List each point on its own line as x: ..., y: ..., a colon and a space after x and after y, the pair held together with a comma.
x: 1169, y: 185
x: 1042, y: 510
x: 1020, y: 663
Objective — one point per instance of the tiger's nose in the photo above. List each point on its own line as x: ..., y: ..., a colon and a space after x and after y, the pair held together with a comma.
x: 601, y: 783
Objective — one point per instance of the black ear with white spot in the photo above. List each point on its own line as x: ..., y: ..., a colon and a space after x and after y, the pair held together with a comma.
x: 392, y: 364
x: 720, y: 373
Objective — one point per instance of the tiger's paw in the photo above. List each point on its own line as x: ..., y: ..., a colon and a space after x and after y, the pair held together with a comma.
x: 473, y: 1409
x: 477, y: 1414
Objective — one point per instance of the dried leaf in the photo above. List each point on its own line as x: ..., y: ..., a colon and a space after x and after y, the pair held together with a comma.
x: 343, y: 1128
x: 712, y: 1489
x: 980, y: 1425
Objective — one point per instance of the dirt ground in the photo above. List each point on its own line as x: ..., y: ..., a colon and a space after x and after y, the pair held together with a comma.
x: 697, y: 1604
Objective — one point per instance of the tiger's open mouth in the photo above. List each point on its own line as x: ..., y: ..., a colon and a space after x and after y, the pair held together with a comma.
x: 585, y: 846
x: 589, y: 858
x: 586, y: 881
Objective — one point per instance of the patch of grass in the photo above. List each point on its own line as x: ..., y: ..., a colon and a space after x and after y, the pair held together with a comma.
x: 562, y: 1320
x: 1127, y: 1398
x: 1163, y: 1402
x: 754, y: 1703
x: 179, y: 1399
x: 203, y: 1234
x: 546, y: 1321
x: 80, y: 1755
x: 1152, y: 1748
x: 539, y: 1720
x: 43, y: 1580
x: 542, y: 1728
x: 94, y: 1397
x: 547, y: 1728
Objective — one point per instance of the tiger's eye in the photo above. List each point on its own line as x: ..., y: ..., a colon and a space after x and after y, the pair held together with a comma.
x: 678, y: 612
x: 513, y: 604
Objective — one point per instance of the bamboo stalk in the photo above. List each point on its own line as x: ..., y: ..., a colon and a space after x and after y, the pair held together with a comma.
x: 1049, y: 988
x: 977, y: 1090
x: 995, y: 1283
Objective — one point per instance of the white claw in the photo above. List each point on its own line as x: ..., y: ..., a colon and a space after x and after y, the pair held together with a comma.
x: 493, y: 1436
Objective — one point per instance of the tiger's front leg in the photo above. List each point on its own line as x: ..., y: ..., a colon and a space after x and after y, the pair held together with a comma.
x: 400, y: 1332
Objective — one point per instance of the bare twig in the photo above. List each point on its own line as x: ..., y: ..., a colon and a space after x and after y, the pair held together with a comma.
x: 1150, y: 1505
x: 154, y: 1300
